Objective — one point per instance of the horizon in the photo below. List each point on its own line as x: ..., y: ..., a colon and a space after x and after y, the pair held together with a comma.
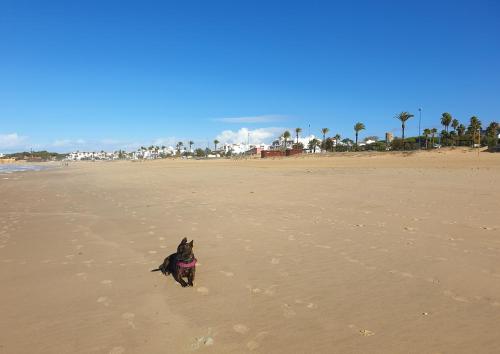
x: 90, y: 76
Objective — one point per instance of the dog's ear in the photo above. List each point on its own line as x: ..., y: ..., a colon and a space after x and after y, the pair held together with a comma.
x: 191, y: 243
x: 184, y: 240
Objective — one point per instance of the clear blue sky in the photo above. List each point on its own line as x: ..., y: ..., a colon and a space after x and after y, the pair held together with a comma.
x: 109, y: 74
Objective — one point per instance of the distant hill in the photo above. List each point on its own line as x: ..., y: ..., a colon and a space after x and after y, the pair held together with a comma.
x: 36, y: 156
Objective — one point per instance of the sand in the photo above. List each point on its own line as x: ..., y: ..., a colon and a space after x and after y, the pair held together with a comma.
x: 358, y: 253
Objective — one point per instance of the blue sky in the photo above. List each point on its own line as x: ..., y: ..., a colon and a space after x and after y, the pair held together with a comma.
x: 116, y: 74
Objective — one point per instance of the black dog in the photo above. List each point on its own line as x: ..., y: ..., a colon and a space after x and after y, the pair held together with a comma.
x: 180, y: 264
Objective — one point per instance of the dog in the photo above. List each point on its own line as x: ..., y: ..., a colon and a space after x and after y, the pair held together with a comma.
x: 181, y: 264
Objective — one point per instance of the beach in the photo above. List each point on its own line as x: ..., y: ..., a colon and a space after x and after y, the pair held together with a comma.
x: 350, y: 253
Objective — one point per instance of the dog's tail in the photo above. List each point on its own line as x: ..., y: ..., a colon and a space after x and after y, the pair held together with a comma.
x: 155, y: 270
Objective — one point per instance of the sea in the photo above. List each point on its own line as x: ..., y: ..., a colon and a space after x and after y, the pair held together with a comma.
x: 10, y: 168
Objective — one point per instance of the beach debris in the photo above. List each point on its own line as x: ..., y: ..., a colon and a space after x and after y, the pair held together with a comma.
x: 425, y: 313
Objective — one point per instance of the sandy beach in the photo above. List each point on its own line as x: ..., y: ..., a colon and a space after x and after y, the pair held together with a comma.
x: 367, y: 253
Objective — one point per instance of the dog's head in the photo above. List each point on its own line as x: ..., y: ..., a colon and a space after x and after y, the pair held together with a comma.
x: 185, y: 249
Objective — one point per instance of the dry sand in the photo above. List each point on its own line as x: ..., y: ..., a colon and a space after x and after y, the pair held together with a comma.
x: 384, y: 253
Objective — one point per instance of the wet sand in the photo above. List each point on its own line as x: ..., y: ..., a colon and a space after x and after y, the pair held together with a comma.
x: 380, y: 253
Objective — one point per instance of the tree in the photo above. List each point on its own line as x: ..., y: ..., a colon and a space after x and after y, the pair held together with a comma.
x: 286, y: 135
x: 474, y: 128
x: 427, y: 132
x: 324, y: 131
x: 446, y: 120
x: 337, y: 139
x: 433, y: 132
x: 454, y: 124
x: 492, y: 134
x: 328, y: 144
x: 191, y: 143
x: 313, y: 144
x: 403, y: 117
x: 199, y: 152
x: 357, y: 128
x: 178, y: 147
x: 461, y: 130
x: 215, y: 144
x: 297, y: 132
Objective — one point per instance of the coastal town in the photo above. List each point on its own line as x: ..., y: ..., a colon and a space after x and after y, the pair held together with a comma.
x: 287, y: 145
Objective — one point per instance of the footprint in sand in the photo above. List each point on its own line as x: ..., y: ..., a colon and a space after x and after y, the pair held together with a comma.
x: 288, y: 312
x: 227, y: 274
x: 106, y: 282
x: 252, y: 345
x: 129, y: 317
x: 82, y: 275
x: 202, y: 290
x: 240, y: 328
x: 275, y: 261
x: 152, y: 252
x: 103, y: 300
x: 117, y: 350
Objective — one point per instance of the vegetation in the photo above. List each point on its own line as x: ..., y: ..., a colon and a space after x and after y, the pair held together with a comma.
x: 297, y: 132
x: 36, y: 155
x: 313, y: 144
x: 357, y: 128
x: 403, y: 117
x: 215, y: 144
x: 286, y: 136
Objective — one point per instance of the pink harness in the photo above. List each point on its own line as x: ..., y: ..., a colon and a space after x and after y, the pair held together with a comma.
x: 187, y: 265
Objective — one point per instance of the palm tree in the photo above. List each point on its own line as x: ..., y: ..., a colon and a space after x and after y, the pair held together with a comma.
x: 357, y: 128
x: 324, y: 131
x: 286, y: 136
x: 215, y: 144
x: 433, y: 132
x: 313, y: 144
x: 337, y: 139
x: 446, y: 120
x: 461, y: 130
x: 454, y: 124
x: 297, y: 132
x: 427, y: 132
x: 474, y: 126
x: 403, y: 117
x: 191, y: 143
x: 178, y: 146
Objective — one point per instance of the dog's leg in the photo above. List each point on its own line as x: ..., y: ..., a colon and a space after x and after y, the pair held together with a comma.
x: 164, y: 266
x: 179, y: 279
x: 191, y: 276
